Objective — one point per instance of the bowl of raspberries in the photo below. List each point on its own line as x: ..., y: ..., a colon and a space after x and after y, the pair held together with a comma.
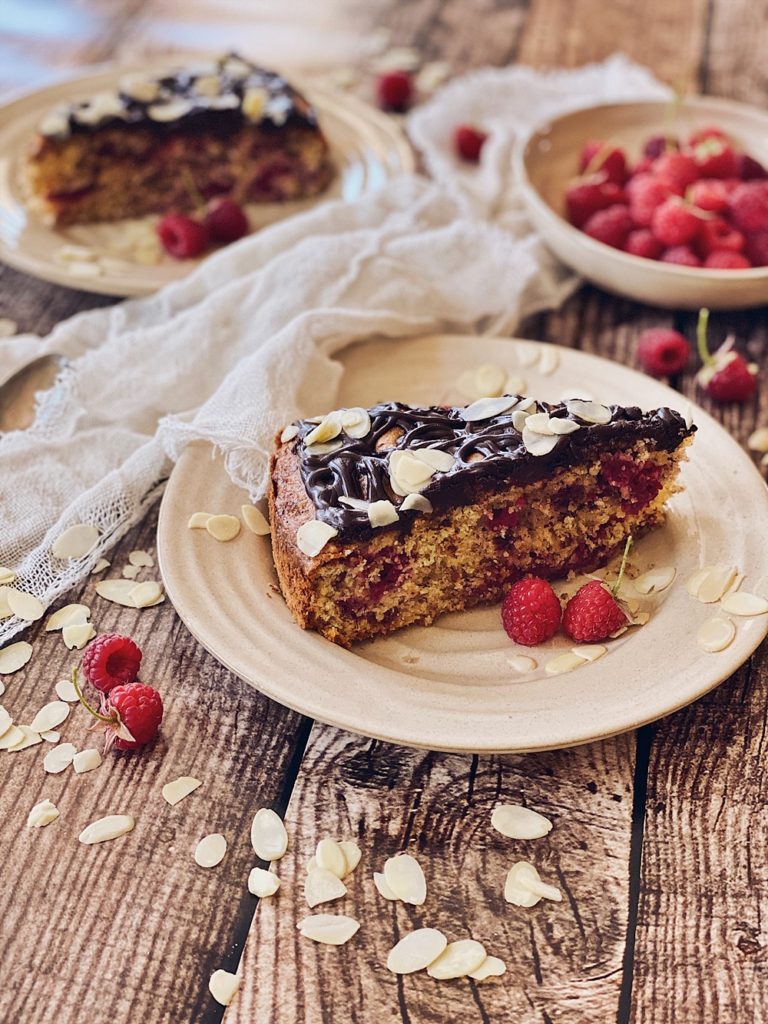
x: 666, y: 203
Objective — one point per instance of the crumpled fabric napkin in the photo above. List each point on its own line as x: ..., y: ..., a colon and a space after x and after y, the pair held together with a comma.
x: 246, y: 342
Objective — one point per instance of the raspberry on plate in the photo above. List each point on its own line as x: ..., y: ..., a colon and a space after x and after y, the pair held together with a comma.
x: 140, y: 709
x: 468, y: 141
x: 586, y: 196
x: 674, y: 223
x: 225, y: 221
x: 678, y: 170
x: 726, y: 259
x: 111, y: 660
x: 592, y: 614
x: 725, y: 376
x: 646, y: 192
x: 682, y: 255
x: 611, y: 226
x: 643, y: 243
x: 395, y: 91
x: 531, y: 611
x: 718, y: 234
x: 181, y: 236
x: 749, y: 206
x: 662, y: 351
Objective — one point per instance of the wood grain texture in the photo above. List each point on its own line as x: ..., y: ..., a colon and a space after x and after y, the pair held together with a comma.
x: 563, y: 959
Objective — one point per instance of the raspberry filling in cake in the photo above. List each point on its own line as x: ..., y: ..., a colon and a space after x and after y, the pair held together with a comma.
x: 418, y: 512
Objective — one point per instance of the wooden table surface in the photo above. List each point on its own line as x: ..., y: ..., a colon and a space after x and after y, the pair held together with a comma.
x: 660, y: 836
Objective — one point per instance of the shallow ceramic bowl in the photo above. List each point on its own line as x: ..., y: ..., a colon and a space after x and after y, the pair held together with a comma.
x: 549, y: 158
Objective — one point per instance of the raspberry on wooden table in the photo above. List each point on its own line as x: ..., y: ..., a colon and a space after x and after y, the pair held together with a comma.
x: 181, y: 236
x: 111, y: 660
x: 140, y: 708
x: 531, y: 611
x: 611, y: 226
x: 662, y: 351
x: 592, y: 614
x: 395, y: 91
x: 468, y: 142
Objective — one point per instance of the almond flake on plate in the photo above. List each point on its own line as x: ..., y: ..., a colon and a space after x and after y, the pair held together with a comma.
x: 330, y: 857
x: 311, y: 537
x: 69, y: 615
x: 50, y: 716
x: 352, y: 854
x: 223, y: 986
x: 11, y: 737
x: 174, y: 792
x: 268, y: 836
x: 76, y: 637
x: 489, y: 380
x: 255, y: 520
x: 521, y: 663
x: 329, y: 929
x: 405, y: 878
x: 516, y: 822
x: 384, y: 890
x: 715, y: 634
x: 14, y: 657
x: 524, y: 887
x: 262, y: 883
x: 416, y: 951
x: 590, y: 652
x: 491, y: 967
x: 24, y: 606
x: 59, y: 758
x: 563, y: 663
x: 655, y: 580
x: 141, y: 559
x: 75, y: 542
x: 744, y: 604
x: 65, y: 690
x: 86, y: 760
x: 223, y: 527
x: 457, y: 960
x: 210, y: 850
x: 42, y: 814
x: 549, y: 360
x: 715, y: 583
x: 199, y: 520
x: 104, y: 829
x: 322, y: 886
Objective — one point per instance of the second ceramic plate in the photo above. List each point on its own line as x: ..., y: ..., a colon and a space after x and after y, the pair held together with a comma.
x: 450, y: 686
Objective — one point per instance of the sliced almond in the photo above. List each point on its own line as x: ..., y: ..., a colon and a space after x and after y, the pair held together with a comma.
x: 86, y: 760
x: 223, y: 986
x: 405, y: 878
x: 24, y: 606
x: 457, y: 960
x: 491, y: 967
x: 147, y: 594
x: 524, y: 887
x: 104, y: 829
x: 174, y: 792
x: 758, y: 440
x: 697, y: 579
x: 326, y: 430
x: 745, y: 604
x: 59, y: 758
x: 289, y: 433
x: 563, y: 426
x: 322, y: 886
x: 538, y: 444
x: 65, y: 690
x: 655, y: 580
x: 416, y: 951
x: 199, y: 520
x: 549, y: 360
x: 14, y: 657
x: 51, y: 736
x: 100, y: 566
x: 382, y: 513
x: 76, y: 637
x: 715, y: 634
x: 141, y: 559
x: 521, y: 663
x: 116, y: 591
x: 489, y: 380
x: 262, y: 883
x: 42, y: 814
x: 540, y: 423
x: 416, y: 501
x: 330, y: 857
x: 516, y: 822
x: 5, y: 721
x: 352, y: 854
x: 6, y: 575
x: 592, y: 412
x: 29, y: 738
x: 384, y: 890
x: 12, y: 736
x: 69, y: 615
x: 268, y: 836
x: 75, y: 542
x: 515, y: 385
x: 489, y: 408
x: 566, y: 662
x: 329, y: 929
x: 223, y: 527
x: 210, y: 850
x: 311, y: 537
x: 356, y: 422
x: 589, y: 652
x: 255, y: 520
x: 130, y: 572
x: 715, y: 583
x: 50, y: 716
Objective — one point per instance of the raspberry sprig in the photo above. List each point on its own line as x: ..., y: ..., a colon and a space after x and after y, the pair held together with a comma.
x: 131, y: 714
x: 594, y: 612
x: 725, y: 375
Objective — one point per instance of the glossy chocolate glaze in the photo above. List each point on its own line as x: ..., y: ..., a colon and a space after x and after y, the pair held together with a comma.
x: 236, y: 77
x: 487, y: 453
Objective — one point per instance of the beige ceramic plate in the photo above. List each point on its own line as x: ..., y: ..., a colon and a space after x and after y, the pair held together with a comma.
x: 549, y: 158
x: 449, y: 686
x: 368, y: 148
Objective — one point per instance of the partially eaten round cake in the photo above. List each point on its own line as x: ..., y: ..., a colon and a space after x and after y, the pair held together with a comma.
x: 394, y: 515
x: 159, y: 142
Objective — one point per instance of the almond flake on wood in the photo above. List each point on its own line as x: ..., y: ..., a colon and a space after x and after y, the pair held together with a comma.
x: 199, y: 520
x: 65, y: 690
x: 104, y: 829
x: 262, y: 883
x: 75, y: 542
x: 328, y: 929
x: 744, y: 604
x: 11, y: 737
x: 516, y: 822
x: 29, y: 738
x: 86, y: 760
x: 147, y: 594
x: 491, y: 967
x: 210, y: 850
x: 14, y: 657
x: 223, y: 986
x: 268, y: 836
x: 311, y: 537
x: 141, y: 559
x: 76, y: 637
x: 50, y: 716
x: 174, y: 792
x: 255, y: 520
x: 5, y: 721
x: 59, y: 758
x: 563, y: 663
x: 116, y: 591
x: 715, y: 583
x: 524, y: 887
x: 416, y: 951
x: 322, y: 886
x: 758, y: 440
x: 330, y: 857
x: 223, y: 527
x: 51, y: 736
x: 42, y: 814
x: 405, y: 878
x: 24, y: 606
x: 352, y: 854
x: 100, y: 566
x: 130, y: 572
x: 384, y: 890
x: 69, y: 615
x: 715, y: 634
x: 457, y: 960
x: 655, y: 580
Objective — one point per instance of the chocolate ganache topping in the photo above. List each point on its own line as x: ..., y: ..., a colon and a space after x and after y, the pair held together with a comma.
x: 511, y: 439
x: 220, y: 96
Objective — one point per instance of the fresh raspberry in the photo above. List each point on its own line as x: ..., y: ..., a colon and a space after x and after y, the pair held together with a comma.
x: 182, y: 237
x: 710, y: 194
x: 749, y: 169
x: 395, y: 91
x: 724, y: 375
x: 140, y: 710
x: 682, y: 255
x: 646, y: 192
x: 757, y: 248
x: 468, y: 142
x: 643, y: 243
x: 718, y: 234
x: 588, y: 195
x: 599, y: 157
x: 662, y: 351
x: 726, y: 259
x: 703, y: 134
x: 592, y: 614
x: 715, y: 158
x: 678, y: 170
x: 225, y: 221
x: 611, y: 226
x: 658, y: 144
x: 674, y: 223
x: 111, y: 660
x: 749, y: 206
x: 531, y: 612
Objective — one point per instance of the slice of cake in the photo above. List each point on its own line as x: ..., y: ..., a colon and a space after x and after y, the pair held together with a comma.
x: 394, y: 515
x: 157, y: 143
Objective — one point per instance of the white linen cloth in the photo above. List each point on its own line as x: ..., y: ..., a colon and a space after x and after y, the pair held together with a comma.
x: 246, y: 342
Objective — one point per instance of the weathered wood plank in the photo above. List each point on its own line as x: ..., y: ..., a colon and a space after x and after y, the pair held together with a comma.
x: 735, y: 58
